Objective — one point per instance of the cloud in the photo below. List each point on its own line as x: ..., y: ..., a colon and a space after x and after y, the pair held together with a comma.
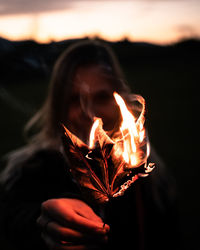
x: 187, y: 31
x: 9, y: 7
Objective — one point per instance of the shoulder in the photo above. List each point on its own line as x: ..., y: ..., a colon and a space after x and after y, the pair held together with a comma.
x: 45, y: 158
x: 40, y: 165
x: 30, y: 161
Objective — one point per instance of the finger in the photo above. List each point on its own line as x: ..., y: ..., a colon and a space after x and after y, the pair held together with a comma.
x: 86, y: 225
x: 67, y: 234
x: 86, y: 211
x: 53, y: 245
x: 67, y: 216
x: 60, y: 206
x: 64, y: 234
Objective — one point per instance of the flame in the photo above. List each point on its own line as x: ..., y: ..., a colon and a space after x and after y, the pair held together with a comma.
x: 128, y: 130
x: 131, y: 143
x: 92, y: 133
x: 133, y: 133
x: 106, y: 166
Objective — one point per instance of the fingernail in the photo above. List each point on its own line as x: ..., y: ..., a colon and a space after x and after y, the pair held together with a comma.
x: 106, y: 227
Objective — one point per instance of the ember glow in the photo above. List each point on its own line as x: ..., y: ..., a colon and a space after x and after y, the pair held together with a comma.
x: 107, y: 167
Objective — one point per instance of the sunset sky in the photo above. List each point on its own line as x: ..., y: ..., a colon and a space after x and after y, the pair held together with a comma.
x: 158, y: 21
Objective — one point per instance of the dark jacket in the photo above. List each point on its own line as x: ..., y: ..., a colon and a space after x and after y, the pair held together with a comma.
x: 143, y: 218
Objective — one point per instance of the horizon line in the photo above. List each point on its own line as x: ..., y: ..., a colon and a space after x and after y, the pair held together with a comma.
x: 123, y: 39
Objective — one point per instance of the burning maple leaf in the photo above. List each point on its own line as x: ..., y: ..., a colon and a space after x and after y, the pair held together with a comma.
x: 101, y: 169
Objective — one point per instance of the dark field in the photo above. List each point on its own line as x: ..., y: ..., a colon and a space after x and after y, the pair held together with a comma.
x: 167, y: 77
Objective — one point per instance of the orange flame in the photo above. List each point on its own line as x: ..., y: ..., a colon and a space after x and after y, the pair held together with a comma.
x: 133, y: 134
x: 92, y: 133
x: 131, y: 145
x: 119, y: 154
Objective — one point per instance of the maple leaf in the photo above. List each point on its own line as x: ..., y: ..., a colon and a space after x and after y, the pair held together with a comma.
x: 99, y: 173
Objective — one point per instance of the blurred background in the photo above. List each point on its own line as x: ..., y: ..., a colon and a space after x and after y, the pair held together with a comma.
x: 158, y: 45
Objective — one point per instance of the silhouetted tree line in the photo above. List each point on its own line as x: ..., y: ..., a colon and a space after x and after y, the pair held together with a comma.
x: 29, y: 60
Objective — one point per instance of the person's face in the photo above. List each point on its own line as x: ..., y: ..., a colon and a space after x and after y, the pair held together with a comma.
x: 92, y: 95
